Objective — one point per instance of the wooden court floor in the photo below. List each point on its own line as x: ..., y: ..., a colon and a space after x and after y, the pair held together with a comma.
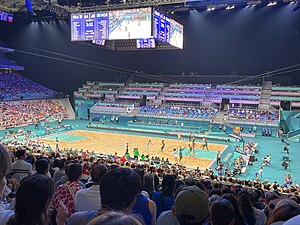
x: 104, y: 142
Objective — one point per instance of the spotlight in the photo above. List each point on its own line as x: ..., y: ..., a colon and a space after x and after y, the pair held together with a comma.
x: 230, y: 7
x: 272, y: 3
x: 211, y: 8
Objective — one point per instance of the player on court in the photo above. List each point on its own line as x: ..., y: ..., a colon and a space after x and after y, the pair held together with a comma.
x: 162, y: 146
x: 148, y: 146
x: 179, y: 138
x: 190, y: 150
x: 56, y: 144
x: 193, y: 144
x: 127, y: 149
x: 175, y: 155
x: 180, y: 154
x: 204, y: 144
x: 190, y: 136
x: 136, y: 153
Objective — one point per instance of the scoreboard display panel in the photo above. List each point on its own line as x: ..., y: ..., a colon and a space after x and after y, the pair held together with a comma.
x: 99, y: 42
x: 130, y: 24
x: 161, y: 26
x: 89, y: 26
x: 146, y: 25
x: 8, y: 17
x: 176, y: 34
x: 145, y: 43
x: 101, y: 25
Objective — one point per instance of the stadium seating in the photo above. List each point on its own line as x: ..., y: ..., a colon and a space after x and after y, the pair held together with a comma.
x: 285, y: 94
x: 97, y: 89
x: 14, y: 86
x: 246, y: 95
x: 22, y: 113
x: 111, y: 108
x: 6, y: 63
x: 185, y: 112
x: 253, y: 116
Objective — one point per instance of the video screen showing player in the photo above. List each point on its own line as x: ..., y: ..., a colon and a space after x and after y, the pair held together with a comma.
x: 130, y: 24
x: 176, y: 34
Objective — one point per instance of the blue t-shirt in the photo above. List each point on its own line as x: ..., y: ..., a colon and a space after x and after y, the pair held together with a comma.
x: 163, y: 203
x: 141, y: 207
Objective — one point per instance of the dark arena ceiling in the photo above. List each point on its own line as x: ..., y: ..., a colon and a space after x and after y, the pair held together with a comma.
x: 61, y: 9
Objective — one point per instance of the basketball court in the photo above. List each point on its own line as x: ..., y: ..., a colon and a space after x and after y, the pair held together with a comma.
x: 109, y: 143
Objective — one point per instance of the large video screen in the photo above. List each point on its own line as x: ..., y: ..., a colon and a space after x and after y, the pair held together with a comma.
x: 89, y: 26
x: 113, y: 25
x: 130, y: 24
x: 145, y: 43
x: 142, y: 23
x: 161, y: 29
x: 176, y: 34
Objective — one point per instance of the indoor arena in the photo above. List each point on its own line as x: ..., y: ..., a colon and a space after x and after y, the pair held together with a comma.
x: 148, y: 112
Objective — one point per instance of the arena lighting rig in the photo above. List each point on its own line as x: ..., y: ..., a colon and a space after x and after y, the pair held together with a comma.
x: 173, y: 6
x: 61, y: 10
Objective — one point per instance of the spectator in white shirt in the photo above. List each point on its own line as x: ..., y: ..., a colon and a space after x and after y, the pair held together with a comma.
x: 89, y: 199
x: 20, y: 168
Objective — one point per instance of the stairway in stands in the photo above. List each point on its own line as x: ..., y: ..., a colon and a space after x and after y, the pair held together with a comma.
x: 160, y: 97
x: 265, y: 97
x: 67, y: 105
x: 219, y: 117
x: 207, y: 101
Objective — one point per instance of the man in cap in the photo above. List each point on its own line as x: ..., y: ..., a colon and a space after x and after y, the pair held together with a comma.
x: 191, y: 207
x: 20, y: 168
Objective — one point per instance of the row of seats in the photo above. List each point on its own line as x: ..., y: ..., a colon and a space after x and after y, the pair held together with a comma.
x: 183, y: 93
x: 252, y: 115
x: 114, y: 108
x: 188, y: 112
x: 280, y: 93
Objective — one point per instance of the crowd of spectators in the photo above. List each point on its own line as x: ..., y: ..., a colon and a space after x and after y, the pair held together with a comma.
x: 254, y: 116
x: 16, y: 86
x: 178, y: 111
x: 40, y: 186
x: 19, y: 113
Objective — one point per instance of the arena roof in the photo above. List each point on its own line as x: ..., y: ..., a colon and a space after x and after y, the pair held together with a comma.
x: 62, y: 8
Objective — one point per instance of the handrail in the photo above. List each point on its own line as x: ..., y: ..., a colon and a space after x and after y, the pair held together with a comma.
x: 294, y: 133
